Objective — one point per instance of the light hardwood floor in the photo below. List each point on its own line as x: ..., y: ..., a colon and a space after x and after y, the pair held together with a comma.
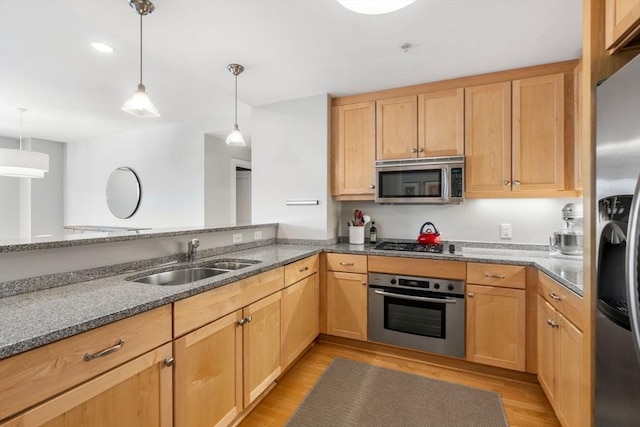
x: 524, y: 401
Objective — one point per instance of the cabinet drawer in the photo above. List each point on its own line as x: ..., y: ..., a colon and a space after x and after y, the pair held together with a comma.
x: 38, y: 374
x: 562, y: 299
x: 347, y: 263
x: 503, y: 276
x: 418, y: 267
x: 198, y: 310
x: 300, y: 269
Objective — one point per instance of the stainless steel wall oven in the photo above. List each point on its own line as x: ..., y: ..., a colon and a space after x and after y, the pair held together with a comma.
x: 422, y: 313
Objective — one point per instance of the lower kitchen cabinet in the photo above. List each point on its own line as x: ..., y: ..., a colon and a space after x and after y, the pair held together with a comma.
x: 560, y: 366
x: 138, y: 393
x: 300, y: 317
x: 496, y: 319
x: 347, y: 305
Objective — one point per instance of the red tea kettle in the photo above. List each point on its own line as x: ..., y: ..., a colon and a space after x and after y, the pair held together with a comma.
x: 430, y: 235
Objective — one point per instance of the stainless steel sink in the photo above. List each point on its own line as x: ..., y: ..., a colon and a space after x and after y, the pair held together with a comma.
x: 229, y: 265
x: 181, y: 276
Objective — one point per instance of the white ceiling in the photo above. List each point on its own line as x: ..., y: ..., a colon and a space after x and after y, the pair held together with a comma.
x: 290, y: 49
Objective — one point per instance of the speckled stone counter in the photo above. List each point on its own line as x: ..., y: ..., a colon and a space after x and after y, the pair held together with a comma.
x: 34, y: 319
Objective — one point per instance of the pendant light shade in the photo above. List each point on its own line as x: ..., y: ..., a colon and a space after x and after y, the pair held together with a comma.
x: 235, y: 137
x: 375, y: 7
x: 139, y: 104
x: 23, y: 163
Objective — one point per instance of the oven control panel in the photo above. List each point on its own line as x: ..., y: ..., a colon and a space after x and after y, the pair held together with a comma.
x: 442, y: 286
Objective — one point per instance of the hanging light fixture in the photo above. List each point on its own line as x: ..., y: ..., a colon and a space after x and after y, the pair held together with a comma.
x: 235, y: 137
x: 23, y: 163
x: 375, y: 7
x: 139, y: 104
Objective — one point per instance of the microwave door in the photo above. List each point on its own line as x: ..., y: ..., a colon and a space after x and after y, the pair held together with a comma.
x: 417, y: 185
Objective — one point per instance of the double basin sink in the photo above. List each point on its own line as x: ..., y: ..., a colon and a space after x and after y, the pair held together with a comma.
x: 183, y: 275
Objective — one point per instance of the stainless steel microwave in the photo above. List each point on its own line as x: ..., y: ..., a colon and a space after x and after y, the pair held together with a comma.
x: 435, y: 180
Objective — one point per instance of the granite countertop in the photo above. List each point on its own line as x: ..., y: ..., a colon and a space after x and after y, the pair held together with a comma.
x: 37, y: 318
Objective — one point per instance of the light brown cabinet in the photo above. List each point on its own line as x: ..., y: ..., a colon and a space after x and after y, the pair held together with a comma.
x: 347, y: 297
x: 560, y: 351
x: 396, y: 128
x: 622, y: 24
x: 515, y: 138
x: 577, y: 127
x: 353, y: 151
x: 300, y: 318
x: 496, y: 322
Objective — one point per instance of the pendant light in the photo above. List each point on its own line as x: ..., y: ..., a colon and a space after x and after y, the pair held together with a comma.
x: 23, y: 163
x: 139, y: 104
x: 235, y: 137
x: 375, y: 7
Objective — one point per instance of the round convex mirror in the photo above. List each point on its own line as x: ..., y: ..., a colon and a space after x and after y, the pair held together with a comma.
x: 123, y: 192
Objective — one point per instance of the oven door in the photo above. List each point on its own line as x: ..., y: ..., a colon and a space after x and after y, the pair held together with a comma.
x: 417, y: 319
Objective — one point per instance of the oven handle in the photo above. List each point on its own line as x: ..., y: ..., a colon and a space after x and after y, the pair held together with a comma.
x: 409, y: 297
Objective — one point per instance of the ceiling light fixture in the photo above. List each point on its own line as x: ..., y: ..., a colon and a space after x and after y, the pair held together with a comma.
x: 235, y: 137
x: 102, y: 47
x: 139, y: 104
x: 23, y: 163
x: 375, y: 7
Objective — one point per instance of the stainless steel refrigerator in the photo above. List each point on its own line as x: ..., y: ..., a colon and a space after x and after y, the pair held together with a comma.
x: 617, y: 401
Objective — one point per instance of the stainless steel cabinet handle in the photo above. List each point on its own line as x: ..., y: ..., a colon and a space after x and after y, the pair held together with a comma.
x: 414, y: 150
x: 304, y: 269
x: 555, y: 296
x: 168, y: 361
x: 552, y: 323
x: 364, y: 283
x: 105, y: 352
x: 372, y: 186
x: 516, y: 182
x: 507, y: 183
x: 495, y: 276
x: 412, y: 298
x: 346, y: 264
x: 420, y: 150
x: 248, y: 319
x: 241, y: 322
x: 470, y: 294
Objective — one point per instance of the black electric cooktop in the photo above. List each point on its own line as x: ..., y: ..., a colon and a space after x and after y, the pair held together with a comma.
x: 410, y: 247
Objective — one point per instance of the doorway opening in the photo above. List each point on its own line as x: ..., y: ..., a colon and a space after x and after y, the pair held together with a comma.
x: 240, y: 192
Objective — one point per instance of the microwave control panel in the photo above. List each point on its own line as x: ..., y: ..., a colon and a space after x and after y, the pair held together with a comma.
x: 457, y: 182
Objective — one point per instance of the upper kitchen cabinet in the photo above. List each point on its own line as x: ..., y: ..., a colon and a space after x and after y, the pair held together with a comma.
x: 427, y: 125
x: 622, y: 24
x: 396, y: 126
x: 353, y: 151
x: 519, y: 138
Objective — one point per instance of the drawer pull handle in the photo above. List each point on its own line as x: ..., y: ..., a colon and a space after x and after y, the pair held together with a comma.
x: 346, y: 264
x: 241, y: 321
x: 555, y: 296
x: 105, y: 352
x: 495, y: 276
x: 470, y: 294
x: 248, y: 319
x: 304, y: 269
x: 552, y: 323
x: 168, y: 361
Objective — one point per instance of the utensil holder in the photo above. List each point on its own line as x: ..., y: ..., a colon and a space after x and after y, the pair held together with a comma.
x: 356, y: 235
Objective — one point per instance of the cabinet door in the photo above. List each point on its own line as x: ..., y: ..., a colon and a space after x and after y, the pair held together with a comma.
x: 208, y: 374
x: 570, y: 396
x: 622, y: 22
x: 347, y: 305
x: 354, y: 152
x: 487, y: 139
x: 441, y: 123
x: 546, y: 347
x: 397, y: 128
x: 138, y: 393
x: 496, y: 326
x: 538, y: 133
x: 261, y: 339
x: 300, y: 317
x: 577, y: 128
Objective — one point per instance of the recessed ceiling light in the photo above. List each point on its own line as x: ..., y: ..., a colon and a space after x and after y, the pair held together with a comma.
x: 102, y: 47
x: 375, y: 7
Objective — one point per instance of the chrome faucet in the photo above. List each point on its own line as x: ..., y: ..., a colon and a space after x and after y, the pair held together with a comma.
x: 193, y: 247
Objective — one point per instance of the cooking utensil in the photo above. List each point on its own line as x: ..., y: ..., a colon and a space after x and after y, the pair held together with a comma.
x: 429, y: 235
x: 359, y: 218
x: 367, y: 219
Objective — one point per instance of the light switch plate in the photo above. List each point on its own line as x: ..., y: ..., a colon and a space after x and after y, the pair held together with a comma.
x: 237, y: 238
x: 505, y: 231
x: 257, y: 235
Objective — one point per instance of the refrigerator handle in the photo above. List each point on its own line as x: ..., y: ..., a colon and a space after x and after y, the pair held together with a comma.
x: 632, y: 265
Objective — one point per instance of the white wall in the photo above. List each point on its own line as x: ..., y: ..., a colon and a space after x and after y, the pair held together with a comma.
x: 32, y: 207
x: 532, y: 220
x: 290, y: 143
x: 243, y: 197
x: 169, y: 163
x: 217, y: 175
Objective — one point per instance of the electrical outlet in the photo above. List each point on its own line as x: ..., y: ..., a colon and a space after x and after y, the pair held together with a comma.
x: 257, y: 235
x: 237, y: 238
x: 505, y: 231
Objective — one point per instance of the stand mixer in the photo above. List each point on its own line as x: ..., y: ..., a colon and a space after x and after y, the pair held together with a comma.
x: 568, y: 242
